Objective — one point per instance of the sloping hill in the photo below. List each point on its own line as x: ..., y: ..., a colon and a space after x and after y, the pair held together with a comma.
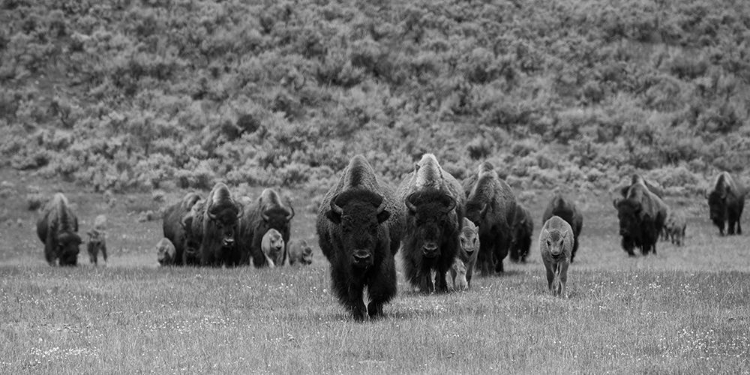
x: 134, y: 94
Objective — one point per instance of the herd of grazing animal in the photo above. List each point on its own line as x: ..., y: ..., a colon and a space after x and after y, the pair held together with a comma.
x: 444, y: 228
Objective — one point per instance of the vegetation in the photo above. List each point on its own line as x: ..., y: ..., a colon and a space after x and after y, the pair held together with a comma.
x: 127, y: 94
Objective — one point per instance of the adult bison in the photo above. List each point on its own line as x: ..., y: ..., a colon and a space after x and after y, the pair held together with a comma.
x: 491, y: 206
x: 725, y: 202
x: 568, y: 211
x: 173, y: 224
x: 642, y: 215
x: 434, y: 202
x: 523, y: 228
x: 267, y: 212
x: 57, y: 228
x: 218, y: 228
x: 359, y: 228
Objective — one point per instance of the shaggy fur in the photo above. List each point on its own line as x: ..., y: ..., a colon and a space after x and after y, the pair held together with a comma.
x: 166, y: 252
x: 359, y: 227
x: 57, y: 228
x: 274, y: 248
x: 491, y: 206
x: 193, y: 224
x: 725, y: 202
x: 173, y: 225
x: 568, y: 211
x: 267, y: 212
x: 523, y: 228
x: 556, y: 248
x: 300, y: 253
x: 642, y: 215
x: 433, y: 201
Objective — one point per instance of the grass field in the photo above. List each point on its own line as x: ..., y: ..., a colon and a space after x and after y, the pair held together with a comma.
x: 684, y: 310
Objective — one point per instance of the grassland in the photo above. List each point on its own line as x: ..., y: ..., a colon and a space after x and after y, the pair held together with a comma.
x: 684, y: 310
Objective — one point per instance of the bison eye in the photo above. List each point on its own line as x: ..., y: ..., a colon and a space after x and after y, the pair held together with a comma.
x: 549, y: 244
x: 475, y: 241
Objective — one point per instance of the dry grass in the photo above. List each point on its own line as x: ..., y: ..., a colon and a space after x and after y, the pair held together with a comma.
x: 682, y: 311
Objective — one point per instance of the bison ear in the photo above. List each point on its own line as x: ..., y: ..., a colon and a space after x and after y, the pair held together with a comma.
x: 333, y: 217
x: 383, y: 216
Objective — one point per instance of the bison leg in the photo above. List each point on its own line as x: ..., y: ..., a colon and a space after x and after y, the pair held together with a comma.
x: 381, y: 287
x: 349, y: 291
x: 563, y: 270
x: 550, y: 276
x: 440, y: 285
x: 104, y: 252
x: 575, y: 248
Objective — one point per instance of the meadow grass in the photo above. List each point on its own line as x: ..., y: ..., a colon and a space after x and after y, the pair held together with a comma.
x: 684, y: 310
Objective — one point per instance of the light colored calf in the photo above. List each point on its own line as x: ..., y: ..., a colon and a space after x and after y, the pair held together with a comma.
x: 556, y: 246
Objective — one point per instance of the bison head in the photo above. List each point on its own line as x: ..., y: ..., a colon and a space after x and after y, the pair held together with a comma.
x: 717, y: 206
x: 429, y: 216
x: 628, y: 213
x: 469, y: 238
x: 68, y: 247
x: 307, y: 254
x: 225, y: 216
x: 555, y: 242
x: 359, y: 214
x: 272, y: 244
x: 165, y: 252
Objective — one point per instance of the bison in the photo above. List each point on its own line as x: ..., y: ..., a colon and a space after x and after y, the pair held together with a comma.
x: 57, y: 228
x: 299, y: 253
x: 173, y: 225
x: 523, y: 228
x: 218, y: 228
x: 274, y: 248
x: 491, y: 206
x: 434, y: 202
x: 725, y: 202
x: 642, y: 215
x: 567, y: 210
x: 556, y: 247
x: 97, y: 240
x: 166, y: 253
x: 192, y: 224
x: 463, y: 267
x: 359, y: 227
x: 675, y: 227
x: 267, y: 212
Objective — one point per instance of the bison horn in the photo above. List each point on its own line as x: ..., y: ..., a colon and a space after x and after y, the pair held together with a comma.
x: 451, y: 204
x: 381, y: 208
x: 335, y: 208
x: 264, y: 215
x: 412, y: 208
x: 210, y: 215
x: 240, y: 210
x: 291, y: 214
x: 483, y: 212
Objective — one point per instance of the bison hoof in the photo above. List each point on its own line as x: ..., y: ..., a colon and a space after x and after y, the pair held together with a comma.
x: 375, y: 310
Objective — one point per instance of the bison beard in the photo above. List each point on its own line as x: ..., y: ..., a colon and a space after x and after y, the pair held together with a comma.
x: 431, y: 241
x: 359, y: 230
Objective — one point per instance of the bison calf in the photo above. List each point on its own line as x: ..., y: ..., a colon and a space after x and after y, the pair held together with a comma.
x: 467, y: 256
x: 166, y: 253
x: 98, y: 240
x: 272, y: 245
x: 300, y: 253
x: 556, y: 247
x: 675, y: 227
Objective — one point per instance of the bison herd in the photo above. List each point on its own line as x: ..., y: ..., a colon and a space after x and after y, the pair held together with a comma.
x: 445, y: 229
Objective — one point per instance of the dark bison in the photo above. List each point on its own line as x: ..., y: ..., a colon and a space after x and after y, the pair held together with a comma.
x: 218, y: 228
x: 491, y: 206
x: 567, y: 210
x: 725, y: 202
x: 267, y: 212
x: 642, y: 215
x: 57, y: 227
x: 192, y: 223
x: 434, y: 202
x: 300, y: 252
x: 523, y: 228
x: 173, y: 224
x: 359, y: 228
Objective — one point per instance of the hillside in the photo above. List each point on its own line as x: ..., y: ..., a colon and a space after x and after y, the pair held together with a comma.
x: 122, y: 95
